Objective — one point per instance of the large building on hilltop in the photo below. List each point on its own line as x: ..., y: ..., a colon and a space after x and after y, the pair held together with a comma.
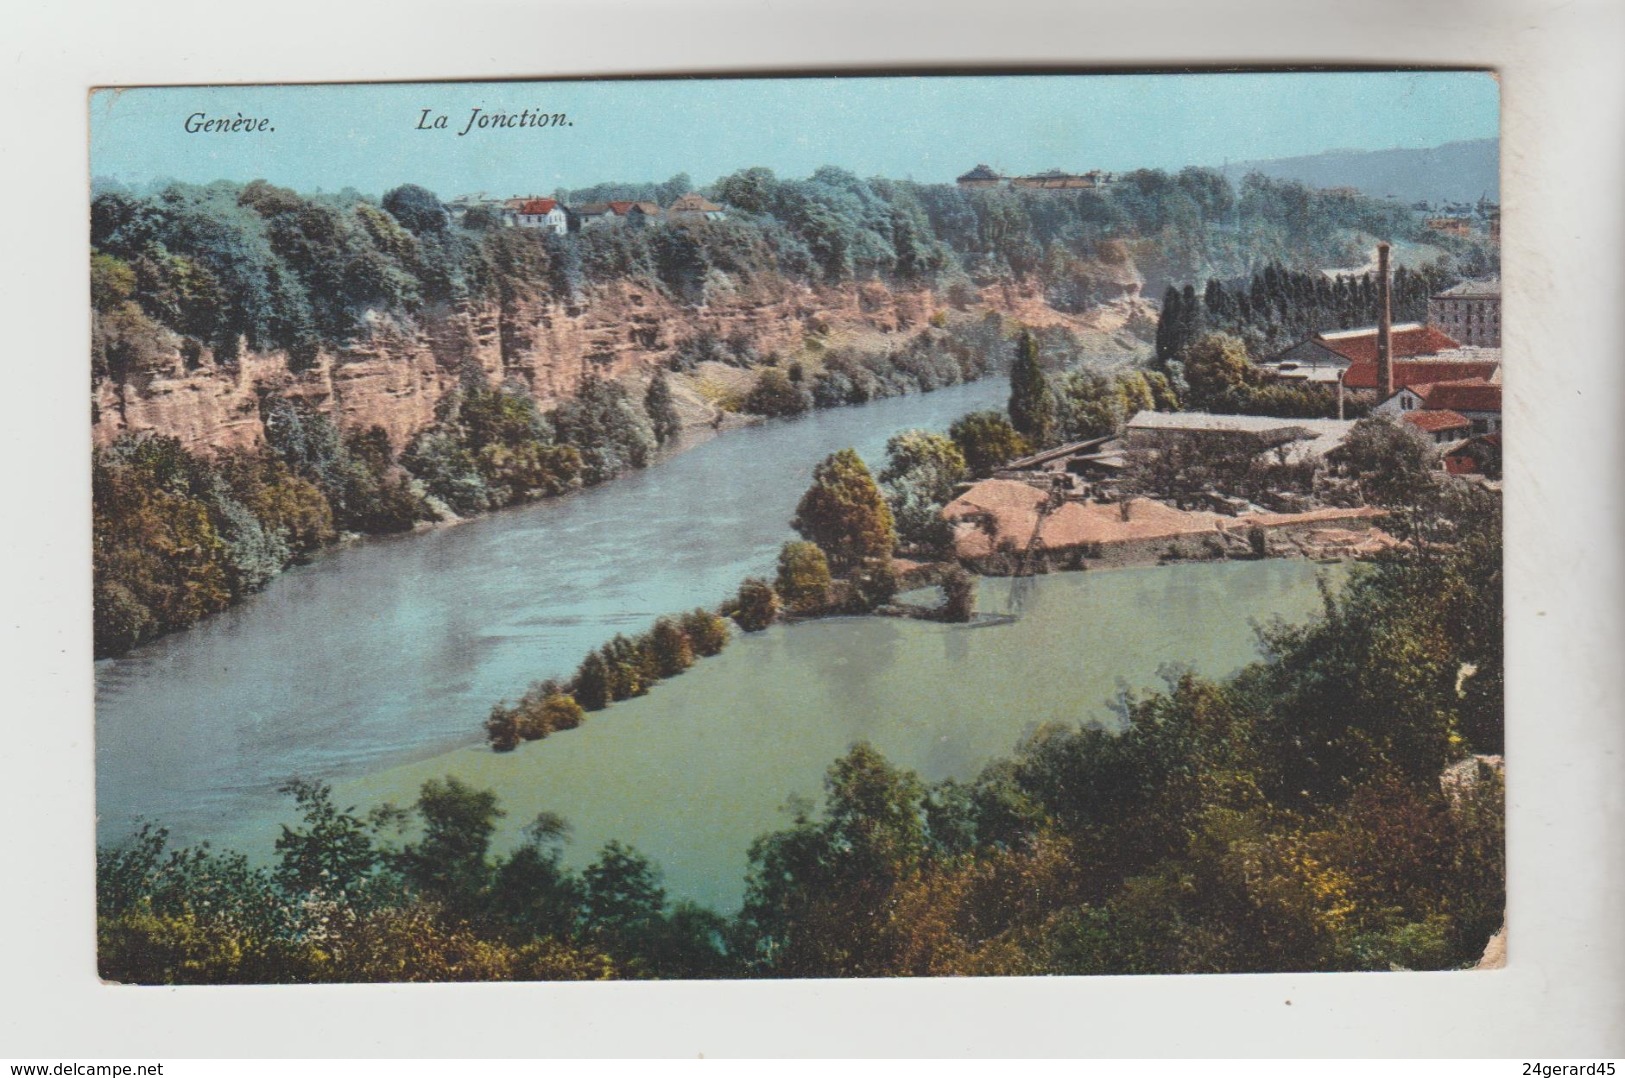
x: 1052, y: 180
x: 980, y: 176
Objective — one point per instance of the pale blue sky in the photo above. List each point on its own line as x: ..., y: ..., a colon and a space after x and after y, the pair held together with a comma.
x: 926, y: 128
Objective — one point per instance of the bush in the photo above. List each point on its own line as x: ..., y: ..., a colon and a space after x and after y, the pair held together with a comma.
x: 670, y: 648
x: 775, y: 395
x: 872, y: 584
x: 706, y: 632
x: 804, y: 579
x: 502, y: 728
x: 986, y: 440
x: 756, y: 606
x: 545, y: 710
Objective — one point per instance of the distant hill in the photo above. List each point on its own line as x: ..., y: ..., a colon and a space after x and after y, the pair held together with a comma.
x: 1454, y: 172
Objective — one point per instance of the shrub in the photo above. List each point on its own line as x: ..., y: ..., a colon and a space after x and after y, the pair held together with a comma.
x: 670, y: 648
x: 803, y: 580
x: 756, y: 605
x: 706, y: 632
x: 776, y: 395
x: 502, y: 728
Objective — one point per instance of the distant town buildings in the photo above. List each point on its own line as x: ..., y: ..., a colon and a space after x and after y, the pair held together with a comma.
x: 1480, y: 456
x: 1443, y: 427
x: 1451, y: 365
x: 1469, y: 312
x: 1475, y: 400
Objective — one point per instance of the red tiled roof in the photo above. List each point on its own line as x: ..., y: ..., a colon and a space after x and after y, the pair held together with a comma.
x: 619, y: 209
x: 1467, y: 395
x: 1435, y: 421
x: 1414, y: 372
x: 540, y: 207
x: 1404, y: 342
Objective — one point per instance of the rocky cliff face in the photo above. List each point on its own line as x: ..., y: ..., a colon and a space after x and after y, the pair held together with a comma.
x: 395, y: 377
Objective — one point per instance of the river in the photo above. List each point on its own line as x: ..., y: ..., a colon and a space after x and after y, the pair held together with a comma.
x: 393, y: 649
x: 374, y: 666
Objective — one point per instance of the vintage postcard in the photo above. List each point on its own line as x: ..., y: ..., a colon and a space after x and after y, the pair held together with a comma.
x: 973, y: 525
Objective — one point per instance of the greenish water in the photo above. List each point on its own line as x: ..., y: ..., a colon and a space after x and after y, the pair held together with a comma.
x: 691, y: 773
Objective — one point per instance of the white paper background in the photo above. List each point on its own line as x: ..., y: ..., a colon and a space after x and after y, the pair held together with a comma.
x: 1564, y: 189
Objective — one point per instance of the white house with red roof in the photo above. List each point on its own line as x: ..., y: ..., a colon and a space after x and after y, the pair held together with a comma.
x: 1476, y: 400
x: 1443, y: 427
x: 545, y: 213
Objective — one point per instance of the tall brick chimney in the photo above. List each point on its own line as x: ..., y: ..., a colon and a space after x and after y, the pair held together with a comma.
x: 1385, y: 326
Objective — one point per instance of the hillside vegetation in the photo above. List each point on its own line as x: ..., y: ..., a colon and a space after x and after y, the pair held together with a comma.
x: 227, y: 265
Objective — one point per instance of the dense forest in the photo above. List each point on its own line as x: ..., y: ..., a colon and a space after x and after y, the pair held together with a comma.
x: 1317, y: 811
x: 227, y: 265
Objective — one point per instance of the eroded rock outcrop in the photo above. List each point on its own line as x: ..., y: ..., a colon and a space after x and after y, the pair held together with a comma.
x: 394, y: 378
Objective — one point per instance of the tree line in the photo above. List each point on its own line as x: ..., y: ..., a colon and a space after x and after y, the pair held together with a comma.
x: 1277, y: 307
x: 208, y: 269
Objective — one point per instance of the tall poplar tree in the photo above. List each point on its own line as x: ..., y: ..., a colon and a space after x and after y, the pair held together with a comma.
x: 662, y: 412
x: 1032, y: 402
